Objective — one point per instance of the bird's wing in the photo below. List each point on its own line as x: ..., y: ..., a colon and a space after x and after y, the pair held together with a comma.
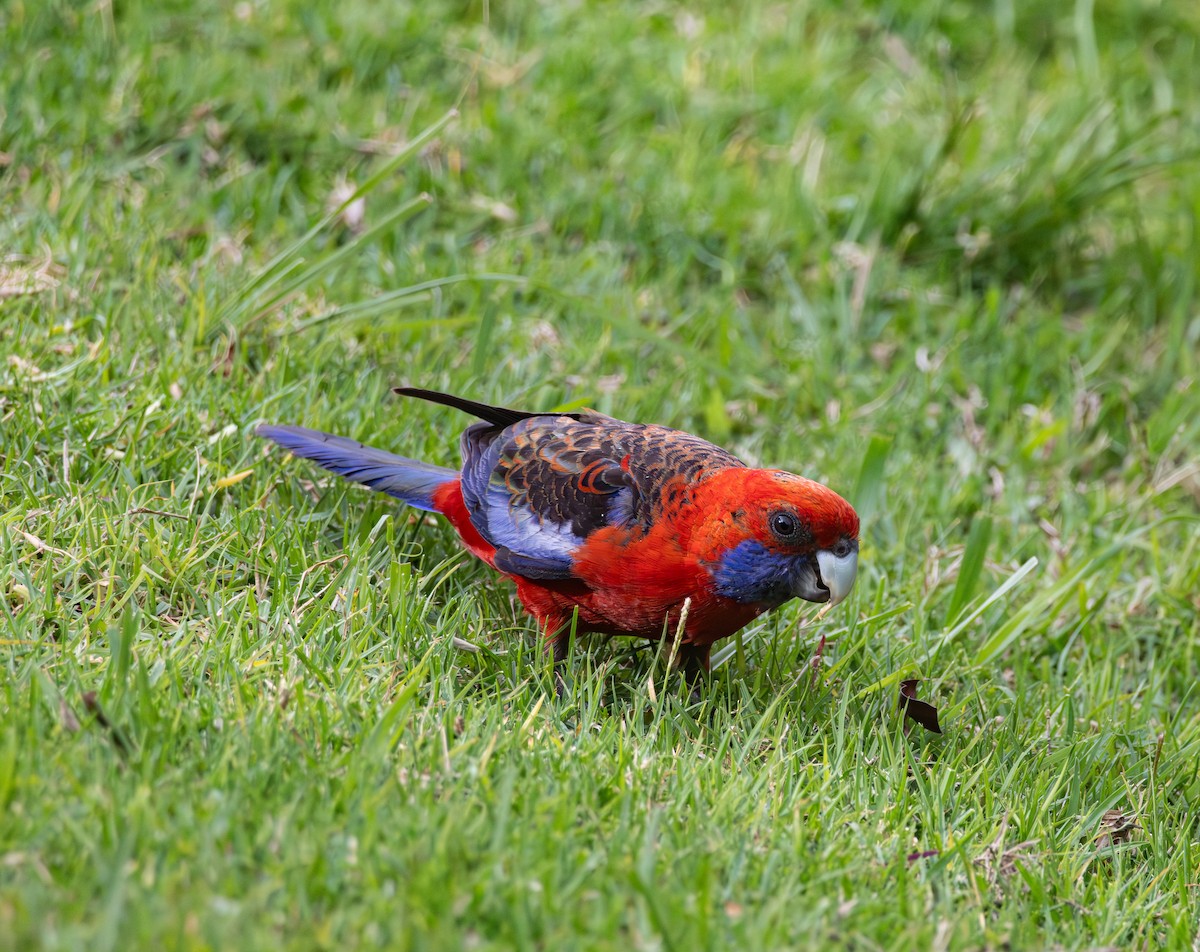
x: 538, y: 488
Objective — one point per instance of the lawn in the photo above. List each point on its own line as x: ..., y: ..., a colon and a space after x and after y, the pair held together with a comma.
x: 941, y: 255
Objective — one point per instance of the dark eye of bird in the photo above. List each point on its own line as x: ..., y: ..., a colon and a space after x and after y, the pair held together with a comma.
x: 783, y: 524
x: 842, y: 549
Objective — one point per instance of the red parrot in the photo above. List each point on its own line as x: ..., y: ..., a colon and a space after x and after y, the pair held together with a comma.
x: 620, y: 522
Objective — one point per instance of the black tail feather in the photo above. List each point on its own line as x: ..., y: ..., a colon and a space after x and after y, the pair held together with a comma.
x: 500, y: 416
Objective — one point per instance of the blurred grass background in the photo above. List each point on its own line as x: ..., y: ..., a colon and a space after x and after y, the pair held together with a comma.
x: 940, y: 255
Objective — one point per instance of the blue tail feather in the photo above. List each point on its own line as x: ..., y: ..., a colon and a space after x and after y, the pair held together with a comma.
x: 406, y: 479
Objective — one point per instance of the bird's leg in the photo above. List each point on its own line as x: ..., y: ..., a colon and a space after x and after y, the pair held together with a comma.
x: 562, y: 644
x: 693, y: 661
x: 558, y: 636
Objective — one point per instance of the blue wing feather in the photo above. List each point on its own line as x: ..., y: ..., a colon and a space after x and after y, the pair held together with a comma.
x: 527, y: 543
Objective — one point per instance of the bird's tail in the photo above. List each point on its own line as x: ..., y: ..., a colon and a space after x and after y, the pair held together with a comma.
x: 408, y: 479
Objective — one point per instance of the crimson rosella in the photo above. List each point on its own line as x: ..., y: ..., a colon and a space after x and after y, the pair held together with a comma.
x: 622, y: 523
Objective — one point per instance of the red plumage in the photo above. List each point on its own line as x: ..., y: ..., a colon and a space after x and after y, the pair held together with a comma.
x: 621, y: 523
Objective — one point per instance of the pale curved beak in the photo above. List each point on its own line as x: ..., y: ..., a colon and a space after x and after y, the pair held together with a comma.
x: 806, y: 582
x: 837, y: 573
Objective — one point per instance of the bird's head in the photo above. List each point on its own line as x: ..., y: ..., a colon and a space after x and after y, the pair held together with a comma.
x: 769, y: 536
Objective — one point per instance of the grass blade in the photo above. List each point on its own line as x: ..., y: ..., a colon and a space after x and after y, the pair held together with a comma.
x: 969, y: 568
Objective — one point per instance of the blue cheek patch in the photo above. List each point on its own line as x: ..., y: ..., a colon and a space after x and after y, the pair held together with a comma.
x: 750, y: 572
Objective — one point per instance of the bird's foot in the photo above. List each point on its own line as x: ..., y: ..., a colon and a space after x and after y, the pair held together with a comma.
x: 694, y: 665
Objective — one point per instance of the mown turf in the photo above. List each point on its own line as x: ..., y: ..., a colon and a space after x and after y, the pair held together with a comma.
x: 941, y: 255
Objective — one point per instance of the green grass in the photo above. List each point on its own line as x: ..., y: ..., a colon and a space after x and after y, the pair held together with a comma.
x: 940, y: 255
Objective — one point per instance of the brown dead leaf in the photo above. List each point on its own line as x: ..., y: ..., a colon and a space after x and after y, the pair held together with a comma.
x: 1018, y: 853
x: 920, y: 711
x: 42, y: 546
x: 21, y: 275
x: 1116, y: 827
x: 1000, y: 862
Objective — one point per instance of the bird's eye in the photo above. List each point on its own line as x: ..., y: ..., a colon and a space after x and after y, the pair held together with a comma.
x: 843, y: 548
x: 783, y: 524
